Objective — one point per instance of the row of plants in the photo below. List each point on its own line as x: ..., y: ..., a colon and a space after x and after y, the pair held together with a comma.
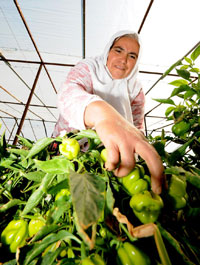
x: 59, y: 205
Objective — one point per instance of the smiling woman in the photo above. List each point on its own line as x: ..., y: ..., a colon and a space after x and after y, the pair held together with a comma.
x: 104, y: 93
x: 123, y: 56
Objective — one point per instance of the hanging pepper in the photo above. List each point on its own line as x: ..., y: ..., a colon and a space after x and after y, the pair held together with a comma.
x: 94, y: 259
x: 146, y: 206
x: 177, y: 191
x: 180, y: 128
x: 15, y: 234
x: 70, y: 148
x: 128, y: 254
x: 34, y: 226
x: 136, y: 181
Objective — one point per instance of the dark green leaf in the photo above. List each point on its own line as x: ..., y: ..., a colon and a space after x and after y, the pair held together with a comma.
x: 165, y: 101
x: 37, y: 195
x: 173, y: 242
x: 193, y: 178
x: 179, y: 89
x: 88, y: 198
x: 183, y: 73
x: 39, y: 146
x: 62, y: 206
x: 110, y: 200
x: 25, y: 142
x: 50, y: 257
x: 195, y: 53
x: 179, y: 153
x: 189, y: 94
x: 30, y: 252
x: 21, y: 152
x: 36, y: 176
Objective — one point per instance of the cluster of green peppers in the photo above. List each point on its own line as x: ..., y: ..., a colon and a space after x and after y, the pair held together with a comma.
x: 15, y: 234
x: 177, y: 192
x: 136, y: 181
x: 145, y: 204
x: 128, y: 254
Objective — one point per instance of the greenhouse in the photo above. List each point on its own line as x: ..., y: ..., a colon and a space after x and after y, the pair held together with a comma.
x: 65, y: 207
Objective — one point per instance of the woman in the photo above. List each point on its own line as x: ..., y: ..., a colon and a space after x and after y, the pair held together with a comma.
x: 103, y: 93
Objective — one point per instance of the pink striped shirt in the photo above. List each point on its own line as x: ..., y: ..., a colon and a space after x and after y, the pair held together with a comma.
x: 77, y: 92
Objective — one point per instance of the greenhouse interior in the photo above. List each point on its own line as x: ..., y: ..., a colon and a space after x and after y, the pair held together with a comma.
x: 57, y: 208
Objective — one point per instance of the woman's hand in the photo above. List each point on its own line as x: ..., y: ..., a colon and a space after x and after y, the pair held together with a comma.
x: 123, y: 140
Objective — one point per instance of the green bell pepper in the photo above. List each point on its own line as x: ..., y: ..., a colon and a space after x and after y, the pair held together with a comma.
x: 136, y: 181
x: 177, y: 192
x: 146, y: 206
x: 34, y: 226
x: 180, y: 128
x: 70, y: 148
x: 15, y: 234
x: 94, y: 259
x: 104, y: 154
x: 128, y: 254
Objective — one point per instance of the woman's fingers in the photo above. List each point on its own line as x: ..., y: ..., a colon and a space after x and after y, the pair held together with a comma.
x: 127, y: 160
x: 154, y: 163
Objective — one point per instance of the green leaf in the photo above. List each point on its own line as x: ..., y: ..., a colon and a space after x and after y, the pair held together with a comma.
x: 179, y: 82
x: 183, y: 73
x: 184, y: 66
x: 36, y: 176
x: 88, y: 134
x: 195, y: 53
x: 179, y: 152
x: 25, y: 142
x: 38, y: 194
x: 195, y: 70
x: 188, y: 60
x: 179, y: 89
x: 88, y: 198
x: 50, y: 257
x: 21, y: 152
x: 59, y: 165
x: 171, y: 68
x: 190, y: 93
x: 164, y: 101
x: 39, y: 146
x: 110, y: 200
x: 45, y: 230
x: 29, y: 252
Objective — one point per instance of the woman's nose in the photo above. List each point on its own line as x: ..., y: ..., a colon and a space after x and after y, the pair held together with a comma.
x: 123, y: 58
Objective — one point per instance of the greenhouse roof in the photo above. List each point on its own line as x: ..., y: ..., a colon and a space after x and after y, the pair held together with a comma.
x: 41, y: 40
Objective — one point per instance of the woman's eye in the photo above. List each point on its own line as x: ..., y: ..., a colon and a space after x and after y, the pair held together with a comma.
x: 132, y: 56
x: 118, y: 50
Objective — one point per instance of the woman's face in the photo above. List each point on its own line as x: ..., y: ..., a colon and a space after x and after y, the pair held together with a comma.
x: 122, y: 57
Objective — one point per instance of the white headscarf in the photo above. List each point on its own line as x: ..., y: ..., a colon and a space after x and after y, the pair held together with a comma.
x: 116, y: 92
